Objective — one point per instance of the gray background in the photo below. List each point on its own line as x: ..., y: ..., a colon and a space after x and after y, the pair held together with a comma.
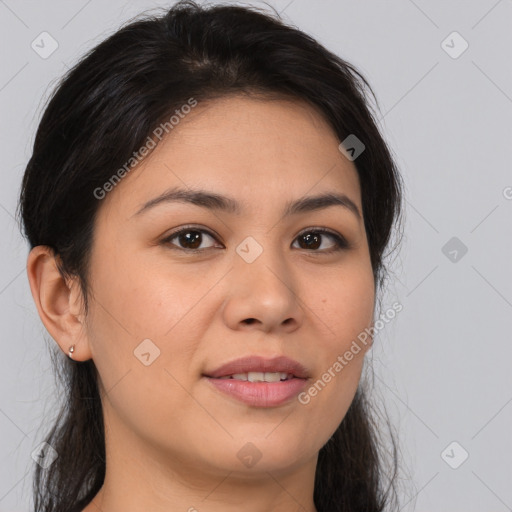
x: 443, y: 365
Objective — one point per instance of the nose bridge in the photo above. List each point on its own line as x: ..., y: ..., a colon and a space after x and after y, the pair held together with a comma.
x: 261, y: 285
x: 262, y: 261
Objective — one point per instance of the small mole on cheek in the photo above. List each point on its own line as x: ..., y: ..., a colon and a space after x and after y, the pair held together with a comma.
x: 323, y: 300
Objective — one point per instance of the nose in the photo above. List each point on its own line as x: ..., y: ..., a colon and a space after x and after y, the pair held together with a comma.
x: 263, y: 295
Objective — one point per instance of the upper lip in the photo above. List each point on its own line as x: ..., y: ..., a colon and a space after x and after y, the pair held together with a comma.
x: 281, y: 364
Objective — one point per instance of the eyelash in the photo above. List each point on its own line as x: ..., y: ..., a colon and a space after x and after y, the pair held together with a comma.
x: 340, y: 242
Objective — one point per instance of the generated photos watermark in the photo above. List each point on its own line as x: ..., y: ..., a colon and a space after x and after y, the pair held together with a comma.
x: 159, y: 132
x: 343, y: 360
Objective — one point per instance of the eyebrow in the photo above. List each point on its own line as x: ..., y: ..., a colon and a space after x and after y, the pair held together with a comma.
x: 213, y: 201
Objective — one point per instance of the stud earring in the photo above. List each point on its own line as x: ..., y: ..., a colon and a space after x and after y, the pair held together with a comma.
x: 71, y: 350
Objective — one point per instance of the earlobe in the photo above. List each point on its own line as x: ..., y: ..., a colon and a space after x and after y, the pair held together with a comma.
x: 59, y: 303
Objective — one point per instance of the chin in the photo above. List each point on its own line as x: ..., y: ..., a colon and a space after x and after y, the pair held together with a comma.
x: 277, y: 452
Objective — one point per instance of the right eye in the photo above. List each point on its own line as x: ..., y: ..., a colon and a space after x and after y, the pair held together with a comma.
x: 190, y: 238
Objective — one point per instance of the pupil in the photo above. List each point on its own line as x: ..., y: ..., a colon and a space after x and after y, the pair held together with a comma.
x: 188, y: 238
x: 309, y: 238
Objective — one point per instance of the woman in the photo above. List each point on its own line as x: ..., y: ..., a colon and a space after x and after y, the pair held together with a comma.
x: 208, y: 203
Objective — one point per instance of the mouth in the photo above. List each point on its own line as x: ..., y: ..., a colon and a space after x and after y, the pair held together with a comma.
x: 261, y: 368
x: 260, y: 376
x: 258, y: 381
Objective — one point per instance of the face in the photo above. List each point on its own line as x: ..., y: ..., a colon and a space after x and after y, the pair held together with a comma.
x: 248, y: 279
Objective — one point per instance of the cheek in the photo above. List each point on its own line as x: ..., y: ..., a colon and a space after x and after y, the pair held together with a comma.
x: 139, y: 315
x: 144, y: 300
x: 347, y: 302
x: 345, y: 312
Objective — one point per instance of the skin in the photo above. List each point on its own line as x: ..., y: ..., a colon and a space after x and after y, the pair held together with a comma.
x: 172, y: 439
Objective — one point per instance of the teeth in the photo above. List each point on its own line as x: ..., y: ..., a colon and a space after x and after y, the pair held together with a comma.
x: 255, y: 376
x: 260, y: 376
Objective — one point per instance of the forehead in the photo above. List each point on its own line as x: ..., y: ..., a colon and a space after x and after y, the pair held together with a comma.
x: 263, y: 151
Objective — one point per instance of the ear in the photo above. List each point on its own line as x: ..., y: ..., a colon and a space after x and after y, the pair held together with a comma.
x: 59, y: 302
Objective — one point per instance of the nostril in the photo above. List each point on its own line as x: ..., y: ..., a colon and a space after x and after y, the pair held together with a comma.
x: 250, y: 321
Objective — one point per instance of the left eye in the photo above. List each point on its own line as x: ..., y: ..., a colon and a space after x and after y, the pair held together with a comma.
x: 190, y: 239
x: 312, y: 236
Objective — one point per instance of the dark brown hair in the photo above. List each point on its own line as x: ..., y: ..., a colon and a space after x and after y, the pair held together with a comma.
x: 102, y: 111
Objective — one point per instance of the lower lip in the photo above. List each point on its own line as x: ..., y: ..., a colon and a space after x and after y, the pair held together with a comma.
x: 260, y: 394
